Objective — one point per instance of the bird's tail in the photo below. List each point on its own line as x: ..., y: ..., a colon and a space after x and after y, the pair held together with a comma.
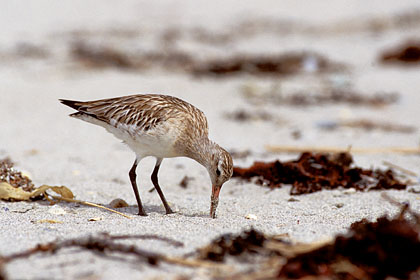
x: 71, y: 103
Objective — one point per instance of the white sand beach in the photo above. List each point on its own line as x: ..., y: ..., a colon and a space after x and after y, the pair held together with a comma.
x: 38, y: 66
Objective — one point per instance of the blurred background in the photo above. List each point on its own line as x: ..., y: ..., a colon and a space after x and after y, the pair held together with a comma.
x: 268, y: 72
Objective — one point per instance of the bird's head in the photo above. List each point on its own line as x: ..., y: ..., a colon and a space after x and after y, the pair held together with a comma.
x: 220, y: 170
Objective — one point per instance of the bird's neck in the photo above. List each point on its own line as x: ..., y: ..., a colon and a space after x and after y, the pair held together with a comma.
x: 202, y: 151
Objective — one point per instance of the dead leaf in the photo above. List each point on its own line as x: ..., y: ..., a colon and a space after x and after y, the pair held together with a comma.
x: 63, y: 191
x: 8, y: 192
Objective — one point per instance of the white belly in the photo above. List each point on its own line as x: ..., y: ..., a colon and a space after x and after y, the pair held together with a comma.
x: 157, y: 142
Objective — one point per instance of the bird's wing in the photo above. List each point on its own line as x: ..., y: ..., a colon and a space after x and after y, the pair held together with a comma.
x: 143, y: 111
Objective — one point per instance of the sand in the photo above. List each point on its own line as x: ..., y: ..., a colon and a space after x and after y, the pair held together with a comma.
x: 37, y: 134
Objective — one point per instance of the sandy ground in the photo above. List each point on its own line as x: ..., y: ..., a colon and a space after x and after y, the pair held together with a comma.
x: 54, y: 149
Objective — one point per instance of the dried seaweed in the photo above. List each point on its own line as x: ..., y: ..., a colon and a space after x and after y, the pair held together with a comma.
x: 371, y: 250
x: 101, y: 57
x: 334, y: 149
x: 228, y: 244
x: 240, y: 154
x: 406, y: 53
x: 103, y: 243
x: 328, y: 95
x: 314, y: 172
x: 2, y: 272
x: 369, y: 125
x: 31, y: 51
x: 284, y: 64
x: 13, y: 177
x: 106, y: 56
x: 242, y: 115
x: 185, y: 182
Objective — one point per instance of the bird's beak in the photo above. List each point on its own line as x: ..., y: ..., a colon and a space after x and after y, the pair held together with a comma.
x: 214, y: 200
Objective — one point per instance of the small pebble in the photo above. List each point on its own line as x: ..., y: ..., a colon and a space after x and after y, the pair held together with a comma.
x: 118, y: 203
x: 57, y: 210
x: 251, y: 217
x: 349, y: 191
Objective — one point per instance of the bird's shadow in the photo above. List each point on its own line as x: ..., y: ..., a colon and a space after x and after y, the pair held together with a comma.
x: 133, y: 210
x: 129, y: 210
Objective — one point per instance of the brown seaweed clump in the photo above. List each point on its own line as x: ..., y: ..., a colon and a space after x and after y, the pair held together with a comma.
x: 284, y: 64
x: 314, y: 172
x: 228, y: 244
x: 371, y: 250
x: 13, y: 177
x: 407, y: 53
x: 101, y: 57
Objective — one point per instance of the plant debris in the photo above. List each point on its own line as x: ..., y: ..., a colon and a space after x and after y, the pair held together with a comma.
x: 370, y: 250
x: 370, y: 125
x: 228, y: 244
x: 324, y: 96
x: 314, y: 172
x: 105, y: 56
x: 333, y: 149
x: 13, y: 177
x: 17, y: 192
x: 240, y: 154
x: 406, y: 53
x: 29, y: 50
x: 242, y: 115
x: 185, y: 181
x: 101, y: 57
x: 8, y: 192
x: 284, y: 64
x: 103, y: 243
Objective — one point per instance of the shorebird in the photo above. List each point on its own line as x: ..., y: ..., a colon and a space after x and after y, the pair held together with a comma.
x: 161, y: 126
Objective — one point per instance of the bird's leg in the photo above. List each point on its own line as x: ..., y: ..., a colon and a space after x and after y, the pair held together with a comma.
x: 157, y: 187
x: 133, y: 176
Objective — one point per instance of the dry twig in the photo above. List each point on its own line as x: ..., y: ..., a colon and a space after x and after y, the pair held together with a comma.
x: 401, y: 169
x: 90, y: 204
x: 104, y: 243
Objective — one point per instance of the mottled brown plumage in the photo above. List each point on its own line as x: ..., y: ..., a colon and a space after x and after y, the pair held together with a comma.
x: 161, y: 126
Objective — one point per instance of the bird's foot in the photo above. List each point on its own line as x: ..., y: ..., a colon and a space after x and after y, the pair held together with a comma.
x: 169, y: 211
x: 142, y: 213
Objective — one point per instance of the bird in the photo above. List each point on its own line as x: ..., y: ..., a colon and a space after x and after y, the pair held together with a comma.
x: 161, y: 126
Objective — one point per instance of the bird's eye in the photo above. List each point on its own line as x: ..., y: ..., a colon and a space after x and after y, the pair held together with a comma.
x: 218, y: 172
